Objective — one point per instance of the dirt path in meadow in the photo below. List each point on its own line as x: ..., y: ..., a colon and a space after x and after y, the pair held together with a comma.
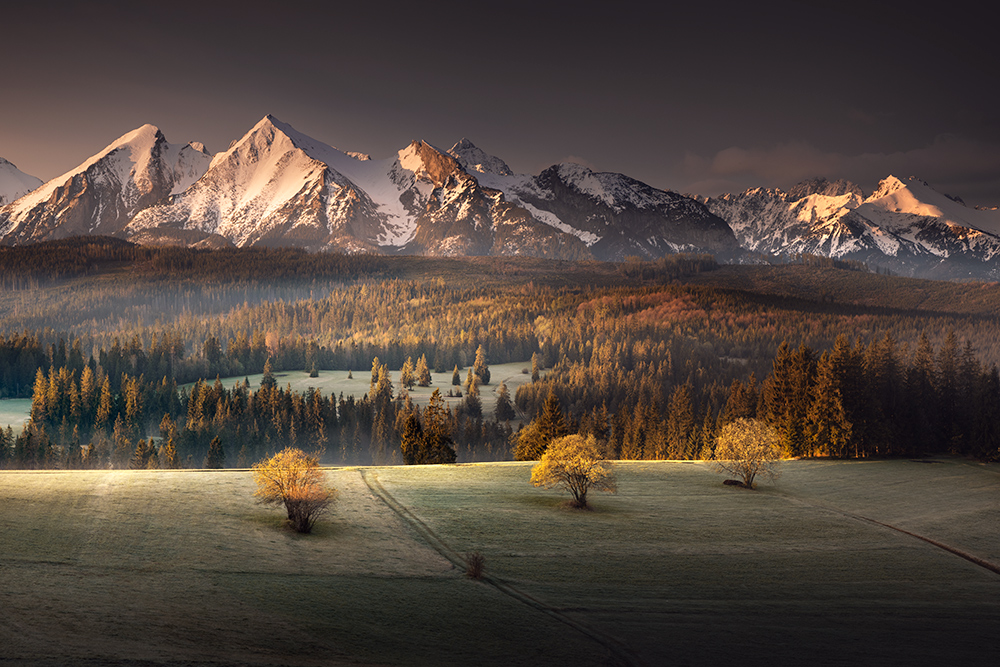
x: 992, y: 567
x: 620, y: 653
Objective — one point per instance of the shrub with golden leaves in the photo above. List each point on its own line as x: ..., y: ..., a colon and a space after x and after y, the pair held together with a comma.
x: 574, y: 463
x: 293, y: 478
x: 748, y: 448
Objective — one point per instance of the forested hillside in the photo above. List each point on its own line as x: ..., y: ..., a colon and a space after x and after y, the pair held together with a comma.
x: 652, y: 357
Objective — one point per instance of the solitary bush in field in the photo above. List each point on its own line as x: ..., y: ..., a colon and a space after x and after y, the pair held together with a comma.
x: 576, y: 464
x: 475, y: 563
x: 748, y: 448
x: 293, y: 479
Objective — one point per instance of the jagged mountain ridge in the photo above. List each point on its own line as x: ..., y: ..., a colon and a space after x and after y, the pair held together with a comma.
x: 277, y: 186
x: 14, y: 183
x: 906, y: 226
x: 102, y: 195
x: 614, y: 215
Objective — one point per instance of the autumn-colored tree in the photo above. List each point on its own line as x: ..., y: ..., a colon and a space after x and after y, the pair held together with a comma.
x: 437, y: 431
x: 532, y: 440
x: 480, y: 368
x: 748, y: 448
x: 293, y: 479
x: 168, y: 454
x: 473, y: 402
x: 423, y: 372
x: 144, y: 456
x: 407, y: 378
x: 575, y: 464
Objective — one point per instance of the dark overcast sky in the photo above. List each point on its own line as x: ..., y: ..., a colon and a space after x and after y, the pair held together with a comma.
x: 702, y: 99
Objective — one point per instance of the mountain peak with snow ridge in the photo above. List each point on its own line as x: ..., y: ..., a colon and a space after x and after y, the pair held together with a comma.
x: 101, y: 195
x: 14, y: 183
x: 473, y: 158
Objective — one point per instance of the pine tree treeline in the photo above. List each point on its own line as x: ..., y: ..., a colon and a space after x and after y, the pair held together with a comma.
x: 852, y: 401
x: 654, y: 368
x: 78, y: 421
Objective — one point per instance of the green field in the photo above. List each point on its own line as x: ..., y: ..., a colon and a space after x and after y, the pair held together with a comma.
x: 182, y: 568
x: 337, y: 382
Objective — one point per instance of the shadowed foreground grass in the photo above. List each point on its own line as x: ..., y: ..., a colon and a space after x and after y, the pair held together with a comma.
x: 116, y: 567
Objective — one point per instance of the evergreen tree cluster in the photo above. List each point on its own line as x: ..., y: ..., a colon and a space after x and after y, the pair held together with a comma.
x: 653, y: 360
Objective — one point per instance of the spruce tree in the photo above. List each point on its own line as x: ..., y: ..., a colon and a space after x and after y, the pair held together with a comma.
x: 168, y: 453
x: 216, y: 457
x: 680, y: 424
x: 268, y: 381
x: 411, y: 438
x: 504, y: 410
x: 437, y: 431
x: 829, y: 431
x: 534, y: 439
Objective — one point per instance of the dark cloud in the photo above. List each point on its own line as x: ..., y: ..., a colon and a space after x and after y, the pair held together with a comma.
x: 950, y: 164
x: 682, y: 97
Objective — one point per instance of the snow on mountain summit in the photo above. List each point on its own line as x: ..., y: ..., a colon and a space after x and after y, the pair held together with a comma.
x: 905, y: 224
x: 14, y: 183
x: 473, y: 158
x: 272, y: 182
x: 101, y: 195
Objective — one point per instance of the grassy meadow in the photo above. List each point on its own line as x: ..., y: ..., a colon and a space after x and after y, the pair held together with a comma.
x: 183, y: 568
x: 337, y: 382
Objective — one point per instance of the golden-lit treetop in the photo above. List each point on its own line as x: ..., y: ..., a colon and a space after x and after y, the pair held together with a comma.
x: 574, y: 463
x: 293, y: 478
x: 748, y: 448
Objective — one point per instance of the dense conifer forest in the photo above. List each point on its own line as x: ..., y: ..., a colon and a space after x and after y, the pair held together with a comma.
x: 653, y: 358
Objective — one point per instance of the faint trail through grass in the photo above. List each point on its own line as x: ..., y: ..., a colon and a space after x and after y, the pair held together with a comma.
x: 993, y: 567
x: 620, y: 652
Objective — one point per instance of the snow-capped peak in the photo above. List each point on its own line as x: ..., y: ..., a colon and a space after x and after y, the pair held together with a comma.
x: 14, y: 183
x: 473, y: 158
x: 427, y: 162
x: 887, y: 186
x: 135, y: 171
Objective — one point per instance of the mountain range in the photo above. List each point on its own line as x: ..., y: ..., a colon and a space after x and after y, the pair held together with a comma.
x: 278, y: 187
